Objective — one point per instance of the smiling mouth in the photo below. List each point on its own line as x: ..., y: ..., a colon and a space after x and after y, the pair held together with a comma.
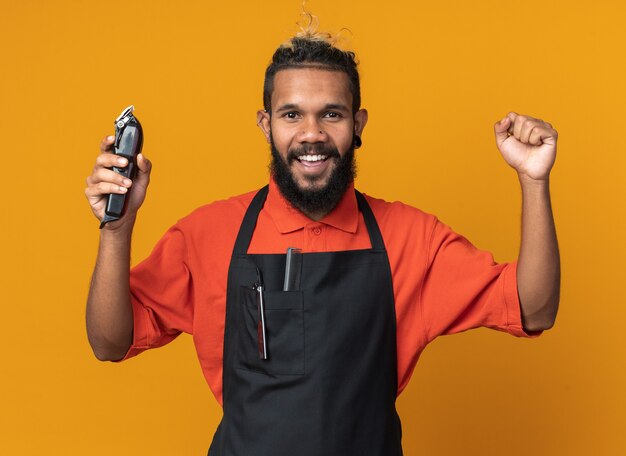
x: 310, y: 159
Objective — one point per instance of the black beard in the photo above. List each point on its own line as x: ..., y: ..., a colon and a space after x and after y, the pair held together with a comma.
x: 314, y: 201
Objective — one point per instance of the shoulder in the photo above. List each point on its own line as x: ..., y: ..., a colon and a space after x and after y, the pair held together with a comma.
x: 397, y: 217
x: 221, y: 216
x: 407, y: 233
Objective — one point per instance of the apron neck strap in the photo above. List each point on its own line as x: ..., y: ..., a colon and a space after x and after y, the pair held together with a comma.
x: 249, y: 222
x: 376, y: 238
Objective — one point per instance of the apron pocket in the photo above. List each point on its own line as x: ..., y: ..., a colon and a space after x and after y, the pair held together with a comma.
x: 284, y: 329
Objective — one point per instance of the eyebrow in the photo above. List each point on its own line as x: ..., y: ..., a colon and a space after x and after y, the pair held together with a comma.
x: 336, y: 106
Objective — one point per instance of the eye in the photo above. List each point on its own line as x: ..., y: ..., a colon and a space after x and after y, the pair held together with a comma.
x: 291, y: 115
x: 333, y: 115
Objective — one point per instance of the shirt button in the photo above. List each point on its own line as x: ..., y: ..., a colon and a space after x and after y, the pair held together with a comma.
x: 317, y: 231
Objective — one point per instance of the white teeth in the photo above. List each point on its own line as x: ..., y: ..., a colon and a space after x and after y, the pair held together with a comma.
x: 312, y: 158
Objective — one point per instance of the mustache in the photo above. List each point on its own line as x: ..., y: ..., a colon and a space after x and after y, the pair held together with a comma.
x: 312, y: 149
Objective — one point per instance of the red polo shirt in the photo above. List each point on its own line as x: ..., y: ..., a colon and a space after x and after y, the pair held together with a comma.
x: 442, y: 283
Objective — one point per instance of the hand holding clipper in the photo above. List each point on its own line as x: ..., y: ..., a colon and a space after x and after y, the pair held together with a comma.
x: 128, y: 144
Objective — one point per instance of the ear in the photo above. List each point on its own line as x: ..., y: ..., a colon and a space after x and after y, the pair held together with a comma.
x: 360, y: 120
x: 263, y: 121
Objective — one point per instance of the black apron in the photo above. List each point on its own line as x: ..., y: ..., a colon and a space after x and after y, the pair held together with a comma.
x: 329, y: 385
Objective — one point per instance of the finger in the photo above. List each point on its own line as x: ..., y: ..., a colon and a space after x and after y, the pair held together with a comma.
x: 512, y: 116
x: 534, y: 138
x: 500, y: 129
x: 143, y: 164
x: 546, y: 135
x: 106, y: 145
x: 107, y: 175
x: 106, y: 160
x: 104, y: 188
x: 517, y: 127
x: 527, y: 128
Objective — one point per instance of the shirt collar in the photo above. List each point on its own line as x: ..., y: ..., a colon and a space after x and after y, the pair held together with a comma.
x: 345, y: 216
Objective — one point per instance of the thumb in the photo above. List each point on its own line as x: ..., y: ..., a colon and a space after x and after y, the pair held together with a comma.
x: 143, y: 164
x: 501, y: 129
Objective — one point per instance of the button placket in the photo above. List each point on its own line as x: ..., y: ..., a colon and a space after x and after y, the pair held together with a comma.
x: 315, y: 237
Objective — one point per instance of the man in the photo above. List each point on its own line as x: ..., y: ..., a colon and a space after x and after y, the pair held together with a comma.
x: 378, y: 281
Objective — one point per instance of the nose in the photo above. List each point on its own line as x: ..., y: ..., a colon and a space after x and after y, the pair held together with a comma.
x: 312, y: 132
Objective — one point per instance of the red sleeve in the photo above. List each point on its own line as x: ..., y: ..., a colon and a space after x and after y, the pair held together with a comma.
x: 161, y: 294
x: 464, y: 288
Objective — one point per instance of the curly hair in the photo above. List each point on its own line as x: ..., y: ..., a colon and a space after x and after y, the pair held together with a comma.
x: 312, y: 49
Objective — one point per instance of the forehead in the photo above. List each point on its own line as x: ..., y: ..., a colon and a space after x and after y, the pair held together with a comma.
x: 302, y: 85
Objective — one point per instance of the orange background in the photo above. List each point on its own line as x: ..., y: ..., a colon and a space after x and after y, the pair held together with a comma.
x: 435, y: 76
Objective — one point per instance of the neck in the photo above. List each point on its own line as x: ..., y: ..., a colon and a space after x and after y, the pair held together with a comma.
x: 315, y: 216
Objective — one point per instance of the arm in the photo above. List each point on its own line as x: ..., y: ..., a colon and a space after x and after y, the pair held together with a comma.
x: 109, y: 312
x: 529, y: 146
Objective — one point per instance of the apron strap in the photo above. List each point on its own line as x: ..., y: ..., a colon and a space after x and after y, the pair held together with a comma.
x: 376, y: 238
x: 249, y: 222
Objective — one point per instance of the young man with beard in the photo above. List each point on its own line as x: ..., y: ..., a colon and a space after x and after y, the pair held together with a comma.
x: 379, y: 280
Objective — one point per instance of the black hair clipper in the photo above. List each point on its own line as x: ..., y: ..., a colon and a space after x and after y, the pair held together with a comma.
x: 128, y: 142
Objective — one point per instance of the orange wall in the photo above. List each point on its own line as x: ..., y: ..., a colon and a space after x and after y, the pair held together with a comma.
x: 436, y: 76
